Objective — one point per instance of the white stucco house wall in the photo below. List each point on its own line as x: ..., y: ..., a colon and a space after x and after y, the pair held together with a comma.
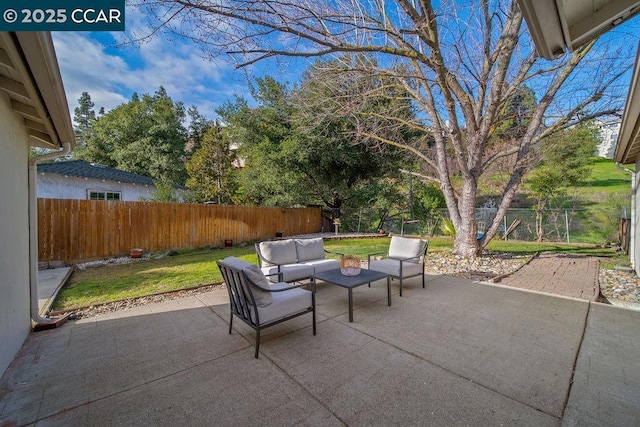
x: 33, y: 113
x: 608, y: 132
x: 77, y: 179
x: 628, y: 152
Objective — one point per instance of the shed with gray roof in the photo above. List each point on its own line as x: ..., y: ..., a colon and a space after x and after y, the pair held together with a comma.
x: 78, y: 179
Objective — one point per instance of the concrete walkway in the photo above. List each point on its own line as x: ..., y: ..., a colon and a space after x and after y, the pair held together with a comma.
x: 455, y: 353
x: 50, y: 281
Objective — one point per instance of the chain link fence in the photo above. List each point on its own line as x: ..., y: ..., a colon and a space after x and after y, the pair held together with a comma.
x: 594, y: 225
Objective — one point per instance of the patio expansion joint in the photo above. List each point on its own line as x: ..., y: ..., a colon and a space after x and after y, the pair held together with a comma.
x: 146, y: 383
x: 575, y: 359
x: 137, y: 386
x: 302, y: 386
x: 417, y: 356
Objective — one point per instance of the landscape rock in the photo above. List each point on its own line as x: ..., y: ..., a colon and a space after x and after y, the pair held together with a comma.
x: 615, y: 285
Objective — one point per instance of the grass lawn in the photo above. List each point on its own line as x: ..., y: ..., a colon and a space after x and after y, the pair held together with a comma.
x: 603, y: 195
x: 99, y: 285
x: 606, y: 180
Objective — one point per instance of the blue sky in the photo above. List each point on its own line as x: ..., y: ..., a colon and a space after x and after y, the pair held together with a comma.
x: 98, y: 63
x: 111, y: 71
x: 89, y: 62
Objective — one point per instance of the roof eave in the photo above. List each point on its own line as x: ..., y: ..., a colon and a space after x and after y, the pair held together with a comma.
x: 545, y: 27
x: 559, y: 25
x: 628, y: 144
x: 46, y: 114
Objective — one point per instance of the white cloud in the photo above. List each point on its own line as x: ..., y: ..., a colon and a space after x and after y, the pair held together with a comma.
x: 112, y: 72
x: 85, y: 67
x: 111, y: 76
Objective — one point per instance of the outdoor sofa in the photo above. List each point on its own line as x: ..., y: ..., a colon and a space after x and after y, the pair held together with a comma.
x: 291, y: 260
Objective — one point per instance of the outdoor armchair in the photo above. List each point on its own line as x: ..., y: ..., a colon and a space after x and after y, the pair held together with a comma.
x: 405, y: 259
x: 260, y: 303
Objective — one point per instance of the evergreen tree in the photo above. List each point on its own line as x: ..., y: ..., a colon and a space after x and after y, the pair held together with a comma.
x: 83, y: 118
x: 211, y: 168
x: 260, y: 133
x: 198, y: 125
x: 145, y: 135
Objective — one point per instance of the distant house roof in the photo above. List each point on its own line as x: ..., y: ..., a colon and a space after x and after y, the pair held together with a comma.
x: 83, y: 169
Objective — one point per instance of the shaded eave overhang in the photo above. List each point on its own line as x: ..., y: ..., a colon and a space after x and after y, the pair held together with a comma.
x: 30, y: 77
x: 628, y: 146
x: 560, y: 25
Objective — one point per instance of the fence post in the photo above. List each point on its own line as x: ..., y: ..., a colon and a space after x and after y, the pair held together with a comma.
x: 505, y: 227
x: 566, y: 222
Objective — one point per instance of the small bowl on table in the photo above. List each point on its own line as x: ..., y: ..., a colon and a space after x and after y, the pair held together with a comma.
x: 350, y: 265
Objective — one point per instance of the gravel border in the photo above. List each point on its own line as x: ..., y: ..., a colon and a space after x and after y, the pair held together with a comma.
x: 616, y: 287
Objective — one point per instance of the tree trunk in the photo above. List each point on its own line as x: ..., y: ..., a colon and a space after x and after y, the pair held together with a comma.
x: 466, y: 241
x: 539, y: 218
x: 463, y: 90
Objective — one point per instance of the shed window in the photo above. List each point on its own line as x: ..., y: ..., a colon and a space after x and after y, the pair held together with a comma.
x: 104, y: 195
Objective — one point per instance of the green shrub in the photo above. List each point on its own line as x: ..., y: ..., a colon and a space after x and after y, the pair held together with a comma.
x: 447, y: 228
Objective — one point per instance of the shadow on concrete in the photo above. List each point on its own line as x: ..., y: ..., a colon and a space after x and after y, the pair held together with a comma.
x: 457, y: 352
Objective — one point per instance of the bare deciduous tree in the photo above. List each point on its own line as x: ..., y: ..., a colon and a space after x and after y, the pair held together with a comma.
x: 461, y: 63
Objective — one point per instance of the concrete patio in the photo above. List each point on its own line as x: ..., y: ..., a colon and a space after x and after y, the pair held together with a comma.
x: 455, y: 353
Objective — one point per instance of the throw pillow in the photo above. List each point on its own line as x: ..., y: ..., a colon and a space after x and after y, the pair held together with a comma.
x: 309, y: 249
x: 256, y: 278
x: 279, y: 252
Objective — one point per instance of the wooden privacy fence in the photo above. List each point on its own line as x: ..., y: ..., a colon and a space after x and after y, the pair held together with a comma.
x: 80, y: 230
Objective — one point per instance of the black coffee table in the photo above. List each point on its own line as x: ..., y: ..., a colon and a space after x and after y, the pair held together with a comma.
x: 335, y: 277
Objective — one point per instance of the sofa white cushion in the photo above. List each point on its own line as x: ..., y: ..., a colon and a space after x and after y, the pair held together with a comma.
x: 320, y: 265
x: 308, y: 249
x: 284, y: 304
x: 279, y: 252
x: 392, y: 267
x: 290, y: 272
x: 257, y: 281
x: 405, y: 247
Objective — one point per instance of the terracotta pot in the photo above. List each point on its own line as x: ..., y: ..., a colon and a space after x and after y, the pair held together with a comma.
x: 136, y: 253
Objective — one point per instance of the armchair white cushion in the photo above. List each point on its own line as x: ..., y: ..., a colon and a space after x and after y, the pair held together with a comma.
x: 284, y: 304
x: 274, y: 303
x: 257, y: 280
x: 405, y: 247
x: 392, y: 267
x: 404, y: 259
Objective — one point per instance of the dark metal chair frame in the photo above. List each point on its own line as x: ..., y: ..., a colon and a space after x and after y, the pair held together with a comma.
x: 243, y: 304
x: 420, y: 258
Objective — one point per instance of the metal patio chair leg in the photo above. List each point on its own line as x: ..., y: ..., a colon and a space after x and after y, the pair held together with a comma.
x: 257, y: 341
